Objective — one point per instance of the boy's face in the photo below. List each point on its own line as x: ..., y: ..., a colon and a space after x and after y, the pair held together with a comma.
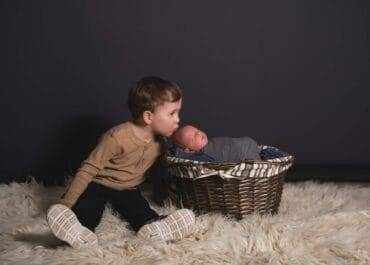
x: 165, y: 119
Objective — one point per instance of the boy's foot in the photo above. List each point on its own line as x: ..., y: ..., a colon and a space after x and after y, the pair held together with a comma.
x: 65, y: 226
x: 174, y: 227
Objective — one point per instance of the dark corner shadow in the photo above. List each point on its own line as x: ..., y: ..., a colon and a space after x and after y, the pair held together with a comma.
x: 61, y: 156
x: 45, y: 239
x: 329, y: 173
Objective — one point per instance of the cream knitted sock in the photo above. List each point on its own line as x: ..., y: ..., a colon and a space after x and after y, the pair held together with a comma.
x: 65, y: 226
x: 175, y: 226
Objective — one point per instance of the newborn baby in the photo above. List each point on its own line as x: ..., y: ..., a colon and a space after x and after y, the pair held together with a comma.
x: 191, y: 143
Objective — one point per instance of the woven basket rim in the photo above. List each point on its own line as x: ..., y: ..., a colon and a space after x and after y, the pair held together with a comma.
x: 214, y: 165
x: 231, y: 164
x: 287, y: 160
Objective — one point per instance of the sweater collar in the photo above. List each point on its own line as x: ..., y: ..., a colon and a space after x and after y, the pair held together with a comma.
x: 136, y: 138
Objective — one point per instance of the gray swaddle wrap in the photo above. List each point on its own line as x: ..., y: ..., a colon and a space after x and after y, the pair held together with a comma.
x: 228, y: 149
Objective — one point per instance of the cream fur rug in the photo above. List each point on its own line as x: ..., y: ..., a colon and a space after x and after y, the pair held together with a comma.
x: 316, y: 224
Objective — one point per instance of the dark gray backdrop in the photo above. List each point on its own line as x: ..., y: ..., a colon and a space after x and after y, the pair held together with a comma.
x: 293, y: 74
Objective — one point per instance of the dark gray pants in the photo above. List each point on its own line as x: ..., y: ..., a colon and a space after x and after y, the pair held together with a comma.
x: 130, y: 205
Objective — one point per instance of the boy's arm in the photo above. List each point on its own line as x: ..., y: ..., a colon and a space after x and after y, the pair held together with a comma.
x: 104, y: 151
x: 159, y: 176
x: 76, y: 188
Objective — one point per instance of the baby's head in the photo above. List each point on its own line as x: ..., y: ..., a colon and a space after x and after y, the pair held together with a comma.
x: 189, y: 138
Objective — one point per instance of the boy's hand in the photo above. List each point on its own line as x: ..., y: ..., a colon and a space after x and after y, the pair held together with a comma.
x: 65, y: 203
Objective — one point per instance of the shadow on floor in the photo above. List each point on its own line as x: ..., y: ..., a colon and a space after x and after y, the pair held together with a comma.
x: 45, y: 239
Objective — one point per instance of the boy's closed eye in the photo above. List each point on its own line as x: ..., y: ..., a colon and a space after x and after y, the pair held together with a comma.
x: 174, y: 112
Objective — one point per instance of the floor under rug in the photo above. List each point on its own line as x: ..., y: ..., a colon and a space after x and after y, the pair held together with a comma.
x: 316, y: 224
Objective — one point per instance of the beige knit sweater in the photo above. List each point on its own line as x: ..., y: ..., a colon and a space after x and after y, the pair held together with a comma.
x: 119, y: 161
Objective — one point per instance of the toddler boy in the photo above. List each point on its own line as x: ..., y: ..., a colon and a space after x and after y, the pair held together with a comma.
x: 117, y: 166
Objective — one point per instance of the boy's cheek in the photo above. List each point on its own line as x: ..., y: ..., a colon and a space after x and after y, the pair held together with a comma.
x: 170, y: 134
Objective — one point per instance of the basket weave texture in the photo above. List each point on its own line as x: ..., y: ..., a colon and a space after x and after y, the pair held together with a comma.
x: 234, y: 189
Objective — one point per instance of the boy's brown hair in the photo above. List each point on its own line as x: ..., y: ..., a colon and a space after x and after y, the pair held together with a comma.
x: 150, y: 92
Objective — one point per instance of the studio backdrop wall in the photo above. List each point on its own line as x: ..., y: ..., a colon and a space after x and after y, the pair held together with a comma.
x: 293, y: 74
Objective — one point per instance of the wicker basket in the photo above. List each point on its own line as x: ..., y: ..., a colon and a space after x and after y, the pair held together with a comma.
x: 234, y: 189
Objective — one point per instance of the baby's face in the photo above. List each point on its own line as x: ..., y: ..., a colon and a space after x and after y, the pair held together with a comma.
x: 190, y: 138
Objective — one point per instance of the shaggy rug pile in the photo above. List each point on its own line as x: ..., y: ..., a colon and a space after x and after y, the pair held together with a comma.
x: 316, y: 224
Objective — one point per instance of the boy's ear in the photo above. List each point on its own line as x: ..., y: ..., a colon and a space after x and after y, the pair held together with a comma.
x: 148, y: 117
